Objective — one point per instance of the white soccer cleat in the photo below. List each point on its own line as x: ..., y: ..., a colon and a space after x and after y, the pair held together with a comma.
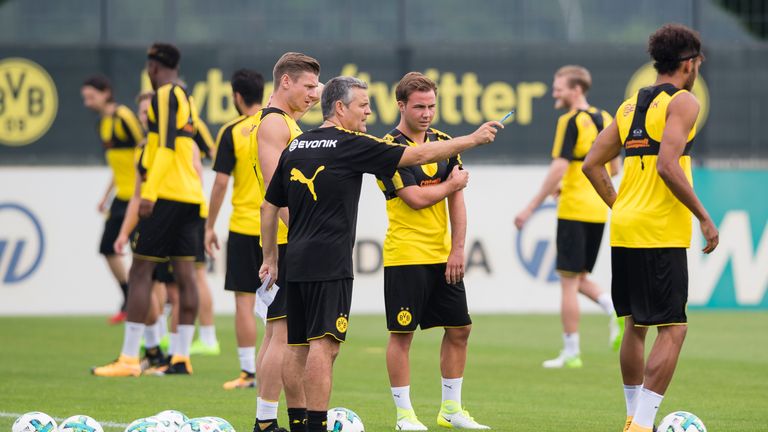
x: 563, y: 361
x: 452, y: 416
x: 407, y: 421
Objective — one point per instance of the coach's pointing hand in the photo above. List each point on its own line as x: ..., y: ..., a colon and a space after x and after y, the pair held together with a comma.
x: 486, y: 133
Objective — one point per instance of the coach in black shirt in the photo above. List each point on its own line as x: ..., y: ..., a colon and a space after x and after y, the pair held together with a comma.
x: 318, y: 178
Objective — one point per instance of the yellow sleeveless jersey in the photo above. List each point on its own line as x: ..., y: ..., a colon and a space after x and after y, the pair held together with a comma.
x: 416, y: 236
x: 167, y: 158
x: 120, y: 134
x: 295, y: 130
x: 575, y: 133
x: 646, y: 214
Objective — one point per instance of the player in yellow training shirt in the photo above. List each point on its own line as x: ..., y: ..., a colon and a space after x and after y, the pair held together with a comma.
x: 120, y: 133
x: 581, y: 214
x: 169, y: 209
x: 651, y: 219
x: 423, y: 261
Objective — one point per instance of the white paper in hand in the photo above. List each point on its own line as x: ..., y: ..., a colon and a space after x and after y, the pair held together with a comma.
x: 265, y: 297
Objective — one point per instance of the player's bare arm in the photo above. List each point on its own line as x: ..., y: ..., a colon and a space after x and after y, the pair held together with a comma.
x: 218, y: 192
x: 273, y: 135
x: 557, y: 169
x: 607, y: 147
x: 439, y: 150
x: 102, y: 206
x: 420, y: 197
x: 269, y: 214
x: 457, y: 213
x: 681, y: 117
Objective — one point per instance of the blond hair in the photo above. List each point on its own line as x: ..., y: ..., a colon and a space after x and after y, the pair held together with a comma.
x: 577, y: 76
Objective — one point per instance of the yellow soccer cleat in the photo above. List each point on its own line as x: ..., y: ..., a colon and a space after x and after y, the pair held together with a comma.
x: 124, y: 366
x: 180, y: 365
x: 245, y: 380
x: 452, y: 416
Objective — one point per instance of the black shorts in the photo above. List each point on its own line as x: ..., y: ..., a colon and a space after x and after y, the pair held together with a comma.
x: 577, y: 245
x: 650, y: 285
x: 112, y: 226
x: 244, y: 258
x: 163, y: 273
x: 318, y: 309
x: 172, y: 230
x: 418, y: 295
x: 200, y: 256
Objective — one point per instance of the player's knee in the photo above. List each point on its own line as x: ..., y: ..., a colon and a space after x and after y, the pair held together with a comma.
x: 458, y: 335
x: 675, y: 332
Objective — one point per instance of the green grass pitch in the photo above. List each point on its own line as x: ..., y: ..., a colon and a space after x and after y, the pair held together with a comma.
x: 722, y: 376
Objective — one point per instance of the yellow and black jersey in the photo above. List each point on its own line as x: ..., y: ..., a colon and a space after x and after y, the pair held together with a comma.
x: 576, y: 131
x: 233, y: 158
x: 202, y: 136
x: 167, y: 157
x: 416, y: 236
x: 646, y: 214
x: 121, y: 133
x: 319, y: 178
x: 295, y: 130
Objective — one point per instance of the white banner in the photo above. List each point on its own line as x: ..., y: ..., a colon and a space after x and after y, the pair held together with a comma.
x: 50, y: 231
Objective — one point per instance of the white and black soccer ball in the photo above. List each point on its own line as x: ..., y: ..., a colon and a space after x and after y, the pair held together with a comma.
x: 80, y: 423
x: 174, y: 418
x: 200, y: 424
x: 34, y: 421
x: 343, y: 419
x: 681, y: 421
x: 151, y: 424
x: 224, y: 426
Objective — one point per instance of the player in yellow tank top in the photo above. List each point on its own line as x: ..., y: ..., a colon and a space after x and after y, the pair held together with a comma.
x: 120, y: 134
x: 651, y: 220
x: 581, y: 214
x: 296, y: 90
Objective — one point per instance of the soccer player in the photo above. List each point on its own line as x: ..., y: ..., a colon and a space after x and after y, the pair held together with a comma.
x: 423, y: 262
x: 120, y: 133
x: 169, y: 211
x: 243, y: 248
x: 296, y: 90
x: 581, y: 214
x: 318, y: 178
x: 651, y: 217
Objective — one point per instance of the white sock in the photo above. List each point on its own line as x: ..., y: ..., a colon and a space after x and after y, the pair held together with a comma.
x: 151, y: 336
x: 186, y: 333
x: 132, y: 339
x: 162, y: 327
x: 571, y: 344
x: 452, y: 389
x: 167, y: 309
x: 630, y: 397
x: 402, y: 397
x: 208, y: 335
x: 605, y: 302
x: 173, y: 342
x: 265, y: 410
x: 247, y: 356
x: 648, y: 404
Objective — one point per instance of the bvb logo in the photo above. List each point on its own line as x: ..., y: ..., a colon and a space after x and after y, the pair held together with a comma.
x: 28, y: 101
x: 646, y: 76
x: 404, y: 318
x: 342, y: 324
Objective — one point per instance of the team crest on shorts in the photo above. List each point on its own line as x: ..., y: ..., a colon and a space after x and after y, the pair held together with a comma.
x: 342, y: 324
x: 404, y: 317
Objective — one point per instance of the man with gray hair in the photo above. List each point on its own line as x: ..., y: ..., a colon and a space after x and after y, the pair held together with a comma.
x: 318, y: 178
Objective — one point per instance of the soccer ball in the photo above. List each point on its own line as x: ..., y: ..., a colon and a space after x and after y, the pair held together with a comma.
x: 150, y: 424
x: 681, y: 421
x: 223, y: 425
x: 80, y: 423
x: 174, y: 418
x: 34, y: 422
x: 342, y: 419
x: 201, y: 424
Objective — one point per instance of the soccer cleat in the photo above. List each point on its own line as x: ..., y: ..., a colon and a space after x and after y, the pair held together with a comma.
x: 154, y: 362
x: 200, y: 348
x: 165, y: 342
x: 616, y: 332
x: 117, y: 318
x: 452, y: 416
x: 124, y: 366
x: 564, y: 361
x: 627, y: 423
x: 180, y: 365
x: 407, y: 421
x: 268, y: 427
x: 245, y: 380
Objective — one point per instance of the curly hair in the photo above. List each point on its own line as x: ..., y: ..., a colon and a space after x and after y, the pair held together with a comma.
x: 672, y: 44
